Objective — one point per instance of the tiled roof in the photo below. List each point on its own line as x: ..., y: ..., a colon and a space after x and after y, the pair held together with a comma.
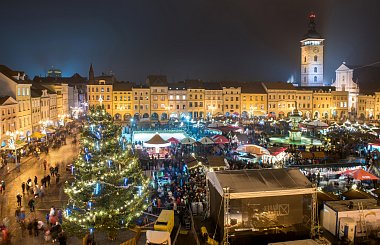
x: 73, y: 80
x: 194, y: 84
x: 122, y: 86
x: 36, y: 90
x: 279, y: 85
x: 316, y: 88
x: 11, y: 73
x: 252, y: 87
x: 212, y: 86
x: 3, y: 99
x: 157, y: 80
x: 177, y: 85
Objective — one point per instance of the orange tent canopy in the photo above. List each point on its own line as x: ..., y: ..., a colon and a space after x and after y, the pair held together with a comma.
x: 360, y: 174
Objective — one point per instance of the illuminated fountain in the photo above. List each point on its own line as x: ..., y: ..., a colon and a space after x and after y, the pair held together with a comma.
x: 295, y: 133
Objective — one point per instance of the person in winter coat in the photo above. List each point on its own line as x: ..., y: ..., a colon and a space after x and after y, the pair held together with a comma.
x: 31, y: 204
x: 23, y: 187
x: 19, y: 199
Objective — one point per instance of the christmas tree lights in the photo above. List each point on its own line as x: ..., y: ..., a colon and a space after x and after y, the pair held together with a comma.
x: 110, y: 190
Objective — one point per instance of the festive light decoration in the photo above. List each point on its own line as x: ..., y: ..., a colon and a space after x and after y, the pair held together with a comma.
x: 110, y: 190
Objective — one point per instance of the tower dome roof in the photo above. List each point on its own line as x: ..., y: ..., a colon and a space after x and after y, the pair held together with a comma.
x: 312, y: 33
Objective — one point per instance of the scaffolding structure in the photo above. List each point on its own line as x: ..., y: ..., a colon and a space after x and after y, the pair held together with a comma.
x: 226, y: 202
x: 314, y: 229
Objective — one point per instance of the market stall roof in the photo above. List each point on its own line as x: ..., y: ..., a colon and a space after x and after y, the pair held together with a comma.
x: 156, y: 141
x: 253, y: 149
x: 37, y: 135
x: 376, y: 142
x: 326, y: 196
x: 360, y: 174
x: 274, y: 151
x: 173, y: 140
x: 216, y: 161
x: 356, y: 194
x: 220, y: 139
x: 316, y: 124
x: 206, y: 141
x: 50, y: 130
x: 187, y: 141
x: 254, y: 183
x: 18, y: 145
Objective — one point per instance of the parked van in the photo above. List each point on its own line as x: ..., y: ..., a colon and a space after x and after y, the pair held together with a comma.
x: 165, y: 222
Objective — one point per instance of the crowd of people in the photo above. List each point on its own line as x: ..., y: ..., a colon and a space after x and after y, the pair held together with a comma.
x: 33, y: 190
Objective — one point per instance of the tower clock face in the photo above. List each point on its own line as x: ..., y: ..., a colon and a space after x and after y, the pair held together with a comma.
x: 315, y: 49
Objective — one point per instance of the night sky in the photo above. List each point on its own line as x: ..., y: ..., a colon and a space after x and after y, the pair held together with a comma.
x: 253, y: 40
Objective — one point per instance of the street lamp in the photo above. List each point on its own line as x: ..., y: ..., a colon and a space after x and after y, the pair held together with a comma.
x: 12, y: 141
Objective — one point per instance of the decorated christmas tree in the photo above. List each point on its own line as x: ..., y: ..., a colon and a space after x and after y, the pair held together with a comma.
x: 109, y: 191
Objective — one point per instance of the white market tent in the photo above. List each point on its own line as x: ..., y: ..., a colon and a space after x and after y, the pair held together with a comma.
x: 253, y: 149
x: 260, y: 183
x: 158, y: 237
x: 317, y: 124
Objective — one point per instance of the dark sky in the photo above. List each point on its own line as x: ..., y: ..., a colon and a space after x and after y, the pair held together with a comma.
x: 210, y: 40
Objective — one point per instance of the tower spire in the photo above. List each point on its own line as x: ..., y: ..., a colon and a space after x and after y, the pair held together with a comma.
x: 91, y: 76
x: 312, y: 22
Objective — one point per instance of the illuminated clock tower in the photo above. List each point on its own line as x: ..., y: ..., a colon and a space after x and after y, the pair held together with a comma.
x: 312, y: 56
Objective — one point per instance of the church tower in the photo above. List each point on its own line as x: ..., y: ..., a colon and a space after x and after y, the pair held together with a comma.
x: 312, y: 56
x: 91, y: 76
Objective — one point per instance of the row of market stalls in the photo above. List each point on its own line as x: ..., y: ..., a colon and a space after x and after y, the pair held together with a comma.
x: 256, y: 153
x: 160, y: 145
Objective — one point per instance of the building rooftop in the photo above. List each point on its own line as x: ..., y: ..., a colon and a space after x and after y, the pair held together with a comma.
x: 157, y: 80
x: 343, y: 205
x: 252, y: 87
x: 3, y: 99
x: 75, y: 79
x: 279, y: 85
x: 177, y: 85
x: 260, y: 180
x: 212, y: 86
x: 122, y: 86
x: 11, y: 74
x: 36, y: 90
x: 316, y: 88
x: 194, y: 84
